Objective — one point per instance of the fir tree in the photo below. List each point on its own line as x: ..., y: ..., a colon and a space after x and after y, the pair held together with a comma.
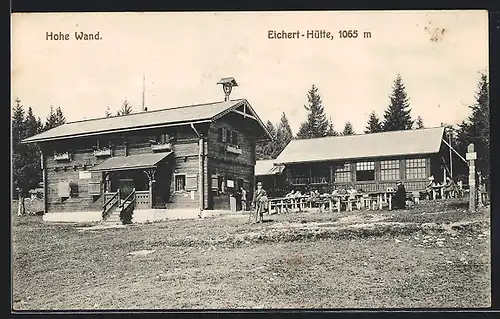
x: 419, y: 123
x: 373, y: 125
x: 283, y: 135
x: 348, y: 130
x: 331, y: 130
x: 316, y: 124
x: 397, y: 116
x: 125, y: 109
x: 54, y: 119
x: 265, y: 149
x: 25, y: 157
x: 476, y: 129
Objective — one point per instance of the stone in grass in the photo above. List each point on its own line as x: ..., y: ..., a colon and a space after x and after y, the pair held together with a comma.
x: 441, y: 253
x: 141, y: 252
x: 397, y: 240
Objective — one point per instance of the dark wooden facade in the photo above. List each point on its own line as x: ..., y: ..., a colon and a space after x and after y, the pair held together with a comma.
x: 369, y: 174
x: 207, y: 162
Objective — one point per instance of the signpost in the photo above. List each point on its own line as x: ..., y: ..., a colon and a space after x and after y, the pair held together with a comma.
x: 471, y: 156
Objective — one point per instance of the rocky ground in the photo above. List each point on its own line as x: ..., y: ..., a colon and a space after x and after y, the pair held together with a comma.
x: 436, y: 255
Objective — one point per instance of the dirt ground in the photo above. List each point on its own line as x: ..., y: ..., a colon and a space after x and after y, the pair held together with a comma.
x: 434, y: 255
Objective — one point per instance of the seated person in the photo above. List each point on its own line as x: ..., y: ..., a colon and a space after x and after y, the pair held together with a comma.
x: 335, y: 191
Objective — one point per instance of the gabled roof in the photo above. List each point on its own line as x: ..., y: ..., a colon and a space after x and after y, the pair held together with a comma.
x: 143, y: 120
x: 385, y: 144
x: 267, y: 167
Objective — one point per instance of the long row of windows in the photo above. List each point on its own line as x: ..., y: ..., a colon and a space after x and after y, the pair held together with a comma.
x: 365, y: 171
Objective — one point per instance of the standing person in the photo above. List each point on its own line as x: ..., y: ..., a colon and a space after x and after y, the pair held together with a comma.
x: 400, y: 197
x: 243, y: 199
x: 258, y: 201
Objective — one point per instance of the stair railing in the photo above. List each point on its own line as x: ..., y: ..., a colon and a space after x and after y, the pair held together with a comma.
x: 113, y: 202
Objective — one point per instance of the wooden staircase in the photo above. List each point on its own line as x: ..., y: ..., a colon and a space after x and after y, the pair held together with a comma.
x: 114, y: 206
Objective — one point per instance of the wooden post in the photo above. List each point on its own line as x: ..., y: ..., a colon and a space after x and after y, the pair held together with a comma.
x: 44, y: 181
x: 471, y: 156
x: 200, y: 172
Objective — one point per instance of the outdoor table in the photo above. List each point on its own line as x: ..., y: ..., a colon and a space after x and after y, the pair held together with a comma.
x: 383, y: 196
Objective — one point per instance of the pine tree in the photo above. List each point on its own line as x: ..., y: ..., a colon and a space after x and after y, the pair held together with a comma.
x: 476, y: 129
x: 397, y: 116
x: 331, y: 130
x: 373, y: 125
x: 60, y: 119
x: 419, y: 123
x: 316, y: 124
x: 265, y: 149
x: 54, y: 119
x: 33, y: 170
x: 19, y: 158
x: 108, y: 112
x: 283, y: 135
x: 348, y: 130
x: 125, y: 109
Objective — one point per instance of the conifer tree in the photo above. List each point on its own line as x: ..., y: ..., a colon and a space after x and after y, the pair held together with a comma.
x: 125, y: 109
x: 283, y: 135
x: 265, y: 149
x: 373, y: 125
x: 397, y: 116
x: 348, y: 130
x: 476, y: 129
x: 419, y: 123
x: 316, y: 124
x: 331, y: 130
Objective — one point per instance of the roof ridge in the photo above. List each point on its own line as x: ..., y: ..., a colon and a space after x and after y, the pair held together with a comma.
x: 364, y: 134
x: 152, y: 111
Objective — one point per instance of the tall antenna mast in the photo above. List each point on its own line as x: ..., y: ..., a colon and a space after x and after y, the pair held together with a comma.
x: 143, y: 89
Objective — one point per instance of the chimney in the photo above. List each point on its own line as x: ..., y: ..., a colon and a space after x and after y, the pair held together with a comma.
x: 227, y: 86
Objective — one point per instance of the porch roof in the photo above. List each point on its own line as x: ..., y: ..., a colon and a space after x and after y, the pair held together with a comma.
x: 140, y: 161
x: 267, y: 167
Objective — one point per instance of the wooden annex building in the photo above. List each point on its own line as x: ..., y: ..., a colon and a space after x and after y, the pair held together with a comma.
x: 184, y: 157
x: 371, y: 162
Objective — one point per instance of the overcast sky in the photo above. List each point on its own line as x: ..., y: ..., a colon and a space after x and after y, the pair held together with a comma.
x: 184, y: 54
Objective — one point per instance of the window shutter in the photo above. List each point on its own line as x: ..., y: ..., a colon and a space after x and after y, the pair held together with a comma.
x: 222, y: 134
x: 235, y: 138
x: 228, y: 138
x: 63, y: 189
x: 191, y: 182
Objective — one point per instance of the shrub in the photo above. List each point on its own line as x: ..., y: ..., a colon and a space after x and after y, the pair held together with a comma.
x: 126, y: 215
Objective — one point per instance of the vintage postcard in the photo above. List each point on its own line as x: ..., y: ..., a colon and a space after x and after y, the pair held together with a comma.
x: 250, y: 160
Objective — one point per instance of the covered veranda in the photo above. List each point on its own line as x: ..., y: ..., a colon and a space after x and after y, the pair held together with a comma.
x: 137, y: 173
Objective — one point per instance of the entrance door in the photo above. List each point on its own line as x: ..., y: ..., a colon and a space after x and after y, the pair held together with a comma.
x: 125, y: 185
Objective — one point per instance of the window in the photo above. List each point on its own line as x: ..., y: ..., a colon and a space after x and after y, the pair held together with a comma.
x: 228, y: 136
x: 320, y: 173
x: 234, y: 138
x: 343, y: 172
x: 180, y: 182
x: 415, y: 168
x: 365, y: 171
x: 389, y: 170
x: 215, y: 182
